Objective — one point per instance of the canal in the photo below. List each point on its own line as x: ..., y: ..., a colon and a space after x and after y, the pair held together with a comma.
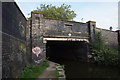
x: 81, y: 70
x: 72, y: 56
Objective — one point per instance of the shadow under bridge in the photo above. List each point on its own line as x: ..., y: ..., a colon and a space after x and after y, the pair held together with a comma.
x: 67, y: 50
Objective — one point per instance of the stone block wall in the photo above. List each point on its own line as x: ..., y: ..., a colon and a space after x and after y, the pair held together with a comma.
x: 13, y: 56
x: 47, y: 27
x: 110, y: 37
x: 28, y: 42
x: 0, y: 40
x: 54, y: 27
x: 91, y: 29
x: 13, y: 40
x: 118, y: 36
x: 37, y: 38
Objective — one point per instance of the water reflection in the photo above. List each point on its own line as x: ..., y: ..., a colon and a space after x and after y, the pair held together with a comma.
x: 79, y: 70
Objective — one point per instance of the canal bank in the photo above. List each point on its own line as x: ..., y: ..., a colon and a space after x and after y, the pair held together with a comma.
x: 53, y: 72
x: 49, y: 72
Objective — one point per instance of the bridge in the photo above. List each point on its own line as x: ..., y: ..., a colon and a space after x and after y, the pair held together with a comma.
x: 60, y: 35
x: 54, y: 38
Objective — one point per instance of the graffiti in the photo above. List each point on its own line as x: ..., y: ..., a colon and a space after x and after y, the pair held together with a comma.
x: 36, y: 50
x: 38, y: 61
x: 22, y: 47
x: 22, y: 29
x: 44, y: 50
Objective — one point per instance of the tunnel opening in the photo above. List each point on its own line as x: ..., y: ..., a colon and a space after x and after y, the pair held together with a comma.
x: 70, y: 54
x: 59, y: 51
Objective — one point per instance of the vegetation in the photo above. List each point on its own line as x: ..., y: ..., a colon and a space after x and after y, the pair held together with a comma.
x: 102, y: 54
x: 57, y: 73
x: 32, y: 71
x: 63, y: 12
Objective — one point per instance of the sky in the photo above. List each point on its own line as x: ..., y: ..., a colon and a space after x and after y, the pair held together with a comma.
x: 105, y: 13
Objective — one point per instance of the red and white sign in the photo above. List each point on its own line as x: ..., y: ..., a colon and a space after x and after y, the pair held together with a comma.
x: 36, y: 50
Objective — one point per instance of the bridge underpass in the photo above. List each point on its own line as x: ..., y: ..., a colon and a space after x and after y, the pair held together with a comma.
x: 59, y: 51
x: 71, y: 54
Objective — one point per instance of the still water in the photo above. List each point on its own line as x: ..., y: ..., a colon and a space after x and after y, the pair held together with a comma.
x: 80, y: 71
x: 71, y: 54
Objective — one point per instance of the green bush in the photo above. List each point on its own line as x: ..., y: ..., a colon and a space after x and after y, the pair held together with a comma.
x: 103, y: 54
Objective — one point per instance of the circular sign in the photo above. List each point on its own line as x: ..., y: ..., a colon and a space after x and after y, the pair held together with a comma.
x: 36, y: 50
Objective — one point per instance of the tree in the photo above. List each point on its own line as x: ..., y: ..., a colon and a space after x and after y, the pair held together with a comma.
x: 63, y: 12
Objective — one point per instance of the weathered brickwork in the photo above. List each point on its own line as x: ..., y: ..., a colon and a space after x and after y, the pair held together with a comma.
x: 13, y: 40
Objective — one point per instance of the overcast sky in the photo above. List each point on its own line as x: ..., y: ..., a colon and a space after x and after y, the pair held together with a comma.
x: 105, y: 13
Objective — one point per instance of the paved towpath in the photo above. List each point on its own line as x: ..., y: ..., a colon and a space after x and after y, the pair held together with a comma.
x: 49, y: 72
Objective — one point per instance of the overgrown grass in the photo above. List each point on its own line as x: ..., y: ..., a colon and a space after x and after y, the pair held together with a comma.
x: 33, y: 71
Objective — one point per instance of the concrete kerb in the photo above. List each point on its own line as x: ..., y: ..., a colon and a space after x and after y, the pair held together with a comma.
x: 61, y: 72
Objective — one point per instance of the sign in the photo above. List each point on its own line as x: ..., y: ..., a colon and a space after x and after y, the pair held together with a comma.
x: 36, y: 50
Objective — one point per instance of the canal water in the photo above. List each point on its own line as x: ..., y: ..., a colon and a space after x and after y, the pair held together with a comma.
x: 71, y: 55
x: 80, y: 71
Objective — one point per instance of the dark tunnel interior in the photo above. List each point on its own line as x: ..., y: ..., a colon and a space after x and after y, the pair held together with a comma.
x: 59, y: 51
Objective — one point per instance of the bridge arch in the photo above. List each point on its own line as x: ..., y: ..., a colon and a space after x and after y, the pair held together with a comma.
x: 66, y: 49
